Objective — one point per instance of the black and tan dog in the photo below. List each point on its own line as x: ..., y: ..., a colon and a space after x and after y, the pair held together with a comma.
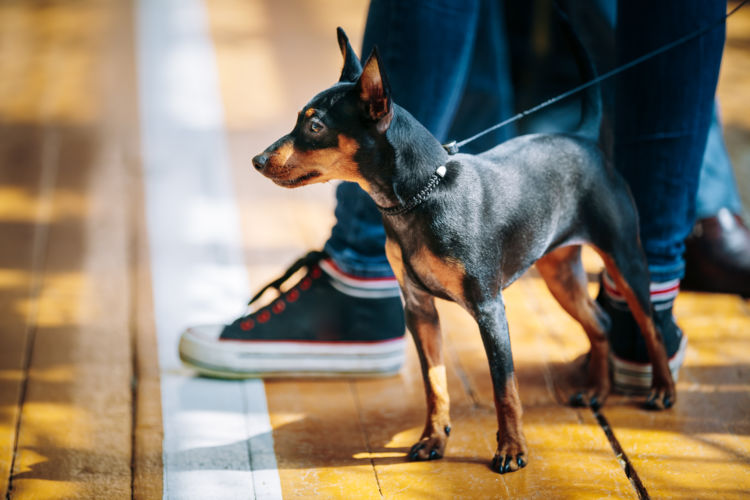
x: 464, y: 227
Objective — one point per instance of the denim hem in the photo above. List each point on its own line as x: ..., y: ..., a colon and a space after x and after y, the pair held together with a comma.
x: 667, y: 272
x: 351, y: 263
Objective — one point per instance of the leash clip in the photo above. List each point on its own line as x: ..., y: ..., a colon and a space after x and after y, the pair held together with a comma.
x: 451, y: 147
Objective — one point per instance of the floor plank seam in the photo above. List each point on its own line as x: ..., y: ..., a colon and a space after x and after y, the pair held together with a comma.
x: 31, y: 334
x: 21, y: 399
x: 245, y: 411
x: 132, y: 330
x: 133, y: 422
x: 47, y: 181
x: 622, y: 457
x: 363, y: 429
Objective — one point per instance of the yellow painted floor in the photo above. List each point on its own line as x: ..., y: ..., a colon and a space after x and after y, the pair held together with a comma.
x: 79, y: 383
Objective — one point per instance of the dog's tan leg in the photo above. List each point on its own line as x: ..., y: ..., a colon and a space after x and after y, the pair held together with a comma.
x: 663, y: 393
x: 563, y: 273
x: 424, y: 325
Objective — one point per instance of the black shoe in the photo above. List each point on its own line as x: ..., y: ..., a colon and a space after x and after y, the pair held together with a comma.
x: 717, y: 255
x: 629, y: 361
x: 328, y: 324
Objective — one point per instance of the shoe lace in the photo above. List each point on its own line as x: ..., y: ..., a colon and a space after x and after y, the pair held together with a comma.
x: 307, y: 261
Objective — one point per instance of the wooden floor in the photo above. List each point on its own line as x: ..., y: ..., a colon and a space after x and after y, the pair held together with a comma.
x: 80, y: 393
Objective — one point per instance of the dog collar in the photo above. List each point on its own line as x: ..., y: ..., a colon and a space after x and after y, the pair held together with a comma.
x: 418, y: 198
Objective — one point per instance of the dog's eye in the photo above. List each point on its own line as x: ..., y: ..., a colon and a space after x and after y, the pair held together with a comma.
x: 316, y: 126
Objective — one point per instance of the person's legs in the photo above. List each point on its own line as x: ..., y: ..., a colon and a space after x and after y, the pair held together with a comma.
x: 663, y: 113
x: 426, y: 48
x: 717, y: 252
x: 357, y: 241
x: 488, y: 97
x: 717, y: 187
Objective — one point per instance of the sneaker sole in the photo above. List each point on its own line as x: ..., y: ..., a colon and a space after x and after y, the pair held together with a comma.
x: 266, y: 359
x: 635, y: 378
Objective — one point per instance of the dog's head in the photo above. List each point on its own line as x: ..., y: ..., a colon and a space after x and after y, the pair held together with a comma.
x: 335, y: 129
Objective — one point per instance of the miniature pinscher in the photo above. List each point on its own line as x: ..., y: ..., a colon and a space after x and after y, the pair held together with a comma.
x: 463, y: 227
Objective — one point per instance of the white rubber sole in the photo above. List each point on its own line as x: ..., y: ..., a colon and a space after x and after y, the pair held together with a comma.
x: 201, y: 350
x: 635, y: 378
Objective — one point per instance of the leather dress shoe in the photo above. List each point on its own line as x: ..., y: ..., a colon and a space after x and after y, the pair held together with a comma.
x: 717, y: 255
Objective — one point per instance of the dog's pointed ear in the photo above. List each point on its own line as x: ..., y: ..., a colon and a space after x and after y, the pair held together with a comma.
x: 352, y: 68
x: 374, y: 92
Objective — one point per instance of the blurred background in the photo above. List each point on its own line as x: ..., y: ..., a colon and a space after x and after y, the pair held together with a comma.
x: 101, y: 100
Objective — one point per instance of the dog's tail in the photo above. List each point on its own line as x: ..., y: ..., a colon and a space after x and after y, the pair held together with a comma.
x: 591, y: 100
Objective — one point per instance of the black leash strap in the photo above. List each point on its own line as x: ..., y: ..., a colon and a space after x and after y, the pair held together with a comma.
x: 453, y: 146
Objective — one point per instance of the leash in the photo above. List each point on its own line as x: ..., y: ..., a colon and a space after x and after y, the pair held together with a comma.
x: 453, y: 146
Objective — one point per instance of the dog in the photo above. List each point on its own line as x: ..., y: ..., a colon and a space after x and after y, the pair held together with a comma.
x: 464, y: 227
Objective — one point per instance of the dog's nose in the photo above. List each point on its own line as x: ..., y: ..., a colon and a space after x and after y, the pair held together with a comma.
x: 260, y: 161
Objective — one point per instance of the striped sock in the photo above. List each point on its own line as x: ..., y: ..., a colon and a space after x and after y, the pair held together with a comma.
x: 357, y: 286
x: 630, y: 365
x: 662, y: 294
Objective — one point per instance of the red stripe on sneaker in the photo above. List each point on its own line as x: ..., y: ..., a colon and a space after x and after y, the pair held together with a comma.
x: 665, y: 291
x: 315, y: 342
x: 383, y: 284
x: 336, y: 268
x: 657, y: 291
x: 666, y: 285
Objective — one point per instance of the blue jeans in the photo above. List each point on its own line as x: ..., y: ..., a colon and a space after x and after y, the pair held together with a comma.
x: 663, y: 111
x: 447, y: 63
x: 717, y: 187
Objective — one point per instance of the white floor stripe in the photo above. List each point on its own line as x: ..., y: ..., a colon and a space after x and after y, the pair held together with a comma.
x: 217, y: 435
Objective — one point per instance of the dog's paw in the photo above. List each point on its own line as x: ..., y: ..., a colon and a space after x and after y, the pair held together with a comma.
x: 430, y: 447
x: 510, y: 457
x: 597, y: 384
x: 662, y: 396
x: 427, y: 449
x: 592, y: 398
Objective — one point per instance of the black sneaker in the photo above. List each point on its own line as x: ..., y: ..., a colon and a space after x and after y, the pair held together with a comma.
x: 328, y: 324
x: 629, y: 361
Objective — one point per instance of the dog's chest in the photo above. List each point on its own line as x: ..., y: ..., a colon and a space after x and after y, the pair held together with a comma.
x: 443, y: 277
